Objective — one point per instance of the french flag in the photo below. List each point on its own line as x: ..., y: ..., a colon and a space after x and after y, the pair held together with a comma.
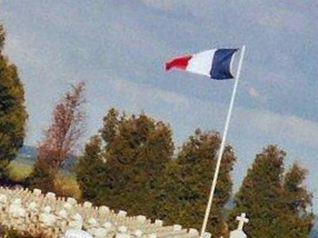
x: 214, y: 63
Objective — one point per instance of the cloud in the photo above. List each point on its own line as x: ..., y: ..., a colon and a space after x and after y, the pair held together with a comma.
x: 147, y: 93
x: 281, y: 128
x: 20, y: 49
x: 253, y: 92
x: 283, y: 19
x: 166, y: 5
x: 277, y: 127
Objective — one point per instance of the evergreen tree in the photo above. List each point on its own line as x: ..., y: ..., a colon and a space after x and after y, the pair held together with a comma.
x: 260, y: 193
x: 90, y: 171
x: 277, y: 206
x: 126, y: 161
x: 298, y: 219
x: 185, y: 185
x: 13, y: 115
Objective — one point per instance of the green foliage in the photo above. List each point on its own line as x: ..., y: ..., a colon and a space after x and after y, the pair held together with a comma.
x: 42, y: 177
x: 90, y: 172
x: 12, y: 110
x: 129, y: 166
x: 298, y: 220
x: 19, y: 171
x: 120, y: 168
x: 185, y: 185
x: 277, y: 205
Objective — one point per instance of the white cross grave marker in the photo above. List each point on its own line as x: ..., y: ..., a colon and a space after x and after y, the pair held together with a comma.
x: 239, y: 233
x: 242, y: 220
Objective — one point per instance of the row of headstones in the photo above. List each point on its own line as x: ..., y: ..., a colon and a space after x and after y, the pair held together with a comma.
x: 238, y: 233
x: 35, y: 213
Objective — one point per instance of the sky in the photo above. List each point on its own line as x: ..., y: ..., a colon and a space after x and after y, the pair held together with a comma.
x: 119, y: 47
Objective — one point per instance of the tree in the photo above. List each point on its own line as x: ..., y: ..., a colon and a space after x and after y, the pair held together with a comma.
x: 13, y: 115
x: 125, y: 162
x: 298, y: 219
x: 276, y: 205
x: 185, y: 185
x: 90, y: 171
x: 259, y: 195
x: 61, y: 139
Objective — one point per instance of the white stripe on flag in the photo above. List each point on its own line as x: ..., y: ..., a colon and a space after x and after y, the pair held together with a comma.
x: 201, y: 63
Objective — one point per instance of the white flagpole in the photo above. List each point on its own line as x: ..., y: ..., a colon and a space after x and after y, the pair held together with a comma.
x: 220, y: 153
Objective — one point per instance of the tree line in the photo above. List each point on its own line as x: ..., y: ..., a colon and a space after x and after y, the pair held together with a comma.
x: 132, y: 164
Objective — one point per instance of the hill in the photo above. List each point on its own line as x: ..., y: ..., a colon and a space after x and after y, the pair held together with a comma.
x: 28, y: 156
x: 314, y: 233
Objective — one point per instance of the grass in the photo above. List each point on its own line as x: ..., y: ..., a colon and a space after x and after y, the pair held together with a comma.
x: 66, y: 185
x: 19, y: 171
x: 65, y: 182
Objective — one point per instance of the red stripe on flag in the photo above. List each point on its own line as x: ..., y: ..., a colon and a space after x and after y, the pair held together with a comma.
x: 179, y: 63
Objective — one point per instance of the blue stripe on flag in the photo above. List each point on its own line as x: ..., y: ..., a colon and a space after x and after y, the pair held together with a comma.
x: 221, y: 65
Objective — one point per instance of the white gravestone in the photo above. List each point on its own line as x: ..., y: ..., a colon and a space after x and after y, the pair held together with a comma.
x: 99, y: 232
x: 71, y: 201
x: 122, y: 213
x: 91, y: 226
x: 239, y: 233
x: 103, y: 210
x: 47, y: 218
x: 32, y: 207
x: 74, y: 233
x: 141, y: 219
x: 109, y: 227
x: 158, y: 222
x: 76, y: 221
x: 50, y: 196
x: 3, y: 199
x: 177, y: 227
x: 37, y: 192
x: 122, y: 232
x: 62, y: 214
x: 87, y: 204
x: 193, y: 231
x: 68, y: 206
x: 138, y: 233
x: 16, y: 210
x: 206, y: 235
